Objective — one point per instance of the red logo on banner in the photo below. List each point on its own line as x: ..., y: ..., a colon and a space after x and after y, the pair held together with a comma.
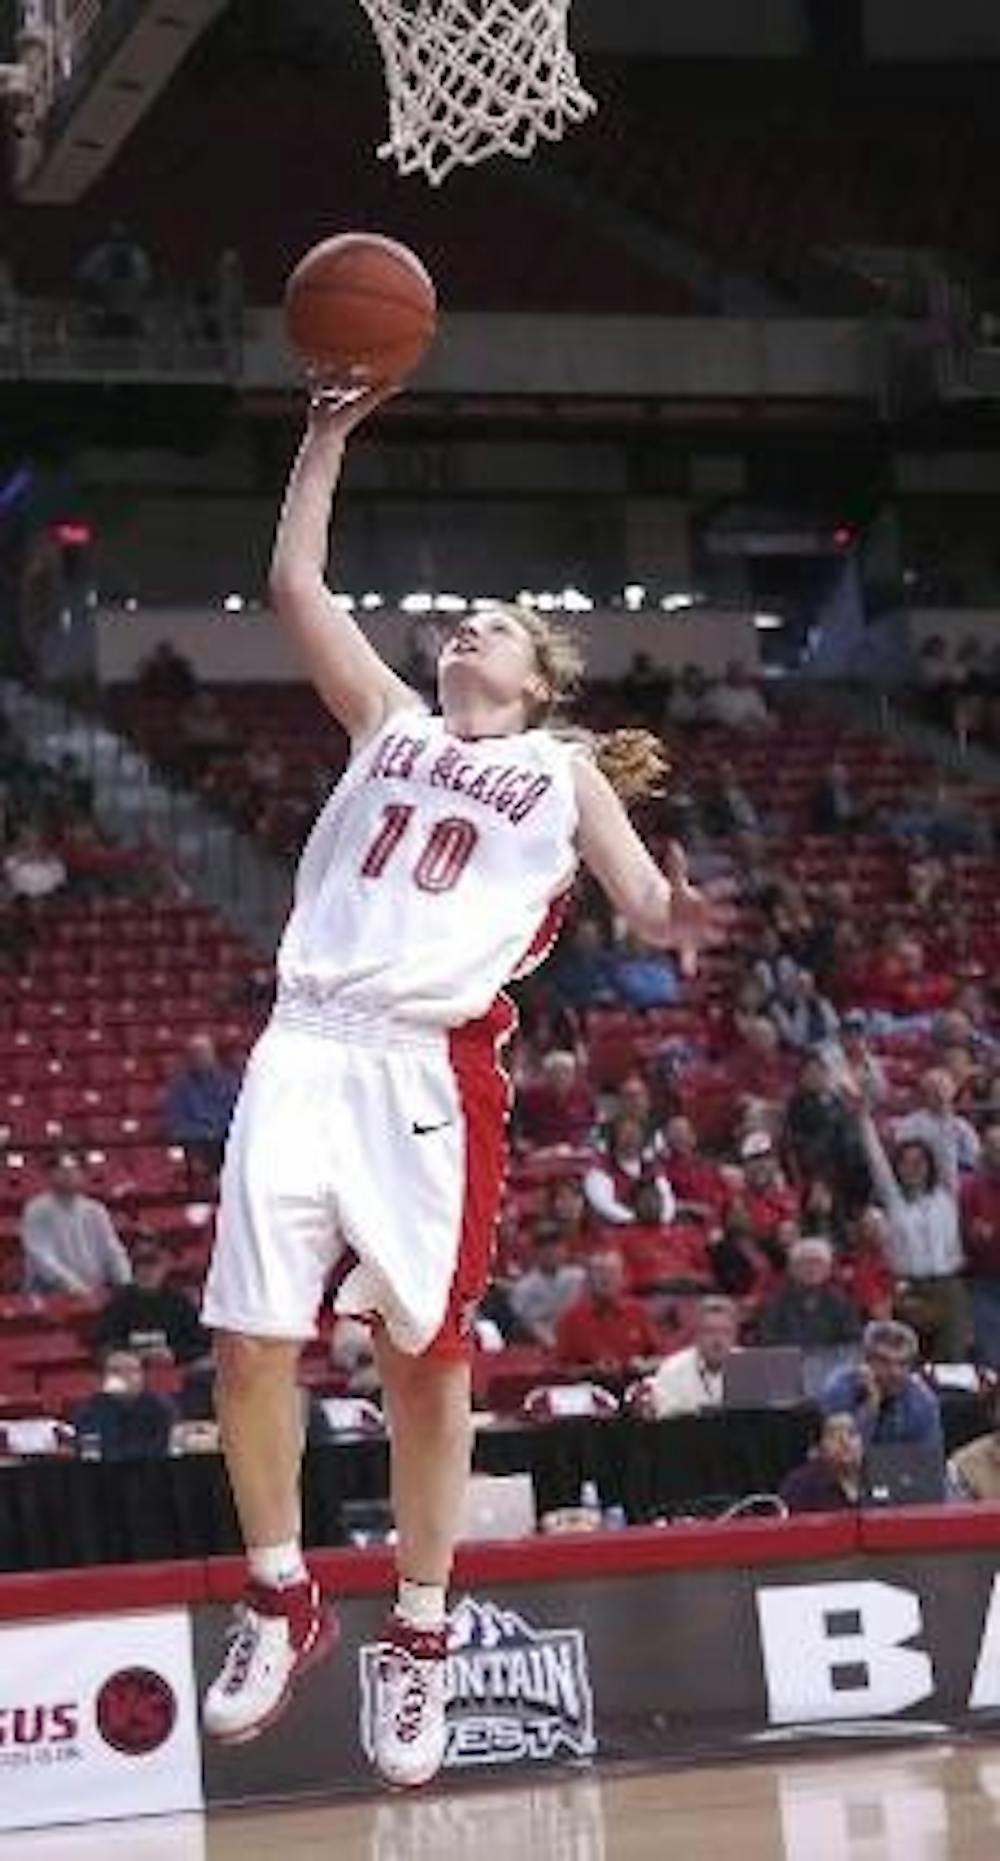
x: 136, y: 1711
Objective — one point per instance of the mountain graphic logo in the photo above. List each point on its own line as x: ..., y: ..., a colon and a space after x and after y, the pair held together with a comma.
x: 515, y: 1693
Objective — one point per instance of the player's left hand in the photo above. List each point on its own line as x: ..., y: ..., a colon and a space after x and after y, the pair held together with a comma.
x: 698, y: 918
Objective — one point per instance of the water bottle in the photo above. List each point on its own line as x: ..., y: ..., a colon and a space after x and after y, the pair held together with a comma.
x: 590, y: 1505
x: 613, y: 1518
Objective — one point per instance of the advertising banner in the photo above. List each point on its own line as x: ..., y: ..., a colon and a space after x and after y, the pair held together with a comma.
x: 97, y: 1719
x: 666, y: 1664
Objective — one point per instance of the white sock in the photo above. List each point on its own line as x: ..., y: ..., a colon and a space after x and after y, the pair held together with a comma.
x: 422, y: 1605
x: 277, y: 1565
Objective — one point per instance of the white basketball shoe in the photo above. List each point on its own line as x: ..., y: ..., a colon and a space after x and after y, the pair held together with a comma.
x: 409, y: 1733
x: 277, y: 1635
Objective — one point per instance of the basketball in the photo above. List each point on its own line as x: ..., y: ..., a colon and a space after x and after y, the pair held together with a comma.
x: 360, y: 308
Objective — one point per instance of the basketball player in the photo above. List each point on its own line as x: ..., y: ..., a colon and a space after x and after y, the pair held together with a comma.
x: 369, y: 1135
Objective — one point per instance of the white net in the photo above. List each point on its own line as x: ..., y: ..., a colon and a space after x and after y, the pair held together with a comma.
x: 467, y: 79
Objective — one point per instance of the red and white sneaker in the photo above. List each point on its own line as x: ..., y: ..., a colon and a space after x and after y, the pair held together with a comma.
x: 409, y: 1732
x: 276, y: 1637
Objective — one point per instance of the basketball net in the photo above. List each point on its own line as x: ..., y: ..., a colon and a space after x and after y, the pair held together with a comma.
x: 467, y: 79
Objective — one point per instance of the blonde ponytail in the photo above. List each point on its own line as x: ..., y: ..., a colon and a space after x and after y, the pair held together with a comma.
x: 634, y: 761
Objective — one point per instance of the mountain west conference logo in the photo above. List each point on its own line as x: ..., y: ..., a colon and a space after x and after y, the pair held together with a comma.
x: 513, y: 1691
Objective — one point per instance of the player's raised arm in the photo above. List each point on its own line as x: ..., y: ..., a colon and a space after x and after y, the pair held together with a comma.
x: 663, y: 909
x: 353, y: 681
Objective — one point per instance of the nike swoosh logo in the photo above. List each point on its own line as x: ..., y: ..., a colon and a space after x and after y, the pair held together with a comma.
x: 424, y: 1130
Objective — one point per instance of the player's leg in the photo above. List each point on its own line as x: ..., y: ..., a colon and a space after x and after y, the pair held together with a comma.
x: 275, y: 1244
x: 428, y: 1399
x: 421, y: 1216
x: 259, y: 1411
x: 284, y: 1626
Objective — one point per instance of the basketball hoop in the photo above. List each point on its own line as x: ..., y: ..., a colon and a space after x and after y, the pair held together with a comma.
x: 467, y: 79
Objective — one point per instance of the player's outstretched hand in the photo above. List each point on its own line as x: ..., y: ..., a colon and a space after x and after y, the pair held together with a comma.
x: 698, y: 918
x: 335, y: 411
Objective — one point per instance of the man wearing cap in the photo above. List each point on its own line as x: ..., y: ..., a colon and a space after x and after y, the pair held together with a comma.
x: 766, y: 1198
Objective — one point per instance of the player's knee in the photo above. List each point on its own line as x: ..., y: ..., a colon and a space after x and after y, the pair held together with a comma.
x: 243, y: 1363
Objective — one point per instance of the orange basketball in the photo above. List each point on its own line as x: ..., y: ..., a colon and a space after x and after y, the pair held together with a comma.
x: 360, y: 308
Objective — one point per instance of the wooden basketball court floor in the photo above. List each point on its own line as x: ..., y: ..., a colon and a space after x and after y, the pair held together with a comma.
x: 926, y: 1804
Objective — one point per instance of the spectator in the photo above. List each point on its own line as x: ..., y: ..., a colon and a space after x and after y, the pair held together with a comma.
x: 69, y: 1240
x: 197, y: 1405
x: 830, y: 1480
x: 888, y: 1401
x: 660, y: 1257
x: 610, y: 1184
x: 737, y: 703
x: 920, y: 1198
x: 166, y: 674
x: 817, y: 1126
x: 204, y: 730
x: 758, y: 1064
x: 728, y: 807
x: 557, y: 1109
x: 851, y: 1056
x: 692, y: 1379
x: 125, y: 1421
x: 568, y: 1212
x: 833, y: 807
x: 748, y: 1266
x: 863, y: 1267
x: 766, y: 1198
x: 553, y: 1283
x: 643, y: 977
x: 974, y: 1471
x: 199, y: 1103
x: 31, y: 868
x: 117, y: 276
x: 803, y: 1017
x: 700, y: 1187
x: 352, y: 1355
x: 953, y: 1141
x: 581, y: 975
x: 633, y: 1099
x: 979, y: 1205
x: 820, y: 1214
x: 606, y: 1328
x: 688, y: 703
x: 900, y: 982
x: 148, y: 1316
x: 809, y: 1310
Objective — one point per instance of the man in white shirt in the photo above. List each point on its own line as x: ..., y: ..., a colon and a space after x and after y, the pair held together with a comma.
x: 737, y: 703
x: 540, y: 1297
x: 68, y: 1239
x: 691, y: 1380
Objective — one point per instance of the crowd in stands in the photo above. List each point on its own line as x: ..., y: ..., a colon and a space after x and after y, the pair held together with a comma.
x: 798, y: 1148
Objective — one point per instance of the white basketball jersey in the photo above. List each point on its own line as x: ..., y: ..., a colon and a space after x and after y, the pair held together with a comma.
x: 431, y: 877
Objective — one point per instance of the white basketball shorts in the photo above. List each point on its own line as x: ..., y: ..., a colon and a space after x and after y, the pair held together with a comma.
x: 364, y: 1149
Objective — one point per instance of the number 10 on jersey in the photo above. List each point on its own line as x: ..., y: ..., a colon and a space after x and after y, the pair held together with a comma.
x: 446, y: 851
